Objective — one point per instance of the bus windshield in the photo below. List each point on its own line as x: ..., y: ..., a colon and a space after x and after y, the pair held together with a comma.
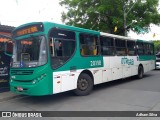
x: 29, y: 52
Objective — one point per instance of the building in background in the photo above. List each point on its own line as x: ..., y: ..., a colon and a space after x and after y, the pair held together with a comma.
x: 5, y: 39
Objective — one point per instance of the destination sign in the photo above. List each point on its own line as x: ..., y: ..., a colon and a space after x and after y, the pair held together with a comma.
x: 38, y: 27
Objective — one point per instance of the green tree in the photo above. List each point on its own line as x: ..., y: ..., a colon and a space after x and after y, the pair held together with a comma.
x: 157, y: 45
x: 108, y: 15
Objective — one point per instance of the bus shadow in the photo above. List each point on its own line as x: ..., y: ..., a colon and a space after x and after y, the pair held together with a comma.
x: 156, y: 69
x: 119, y: 82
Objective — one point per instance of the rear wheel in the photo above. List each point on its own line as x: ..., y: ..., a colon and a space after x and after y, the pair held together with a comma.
x: 140, y: 72
x: 84, y: 85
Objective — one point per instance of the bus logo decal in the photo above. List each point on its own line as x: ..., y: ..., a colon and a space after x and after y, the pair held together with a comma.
x: 127, y: 61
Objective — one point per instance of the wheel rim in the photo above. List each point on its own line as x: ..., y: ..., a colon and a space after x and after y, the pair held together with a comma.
x: 82, y: 84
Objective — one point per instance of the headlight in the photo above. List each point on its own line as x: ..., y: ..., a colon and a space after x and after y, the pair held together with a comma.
x: 38, y: 78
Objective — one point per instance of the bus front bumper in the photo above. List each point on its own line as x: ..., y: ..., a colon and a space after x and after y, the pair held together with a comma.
x: 39, y: 89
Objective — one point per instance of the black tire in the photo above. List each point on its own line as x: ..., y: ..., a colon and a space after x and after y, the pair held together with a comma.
x: 84, y: 85
x: 140, y: 72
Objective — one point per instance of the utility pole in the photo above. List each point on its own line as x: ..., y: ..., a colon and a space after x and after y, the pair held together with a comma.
x: 125, y: 16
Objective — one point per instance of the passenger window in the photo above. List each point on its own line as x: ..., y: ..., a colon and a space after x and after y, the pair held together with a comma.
x: 148, y: 49
x: 131, y: 48
x: 89, y: 45
x: 140, y: 48
x: 120, y: 47
x: 107, y: 46
x: 151, y: 49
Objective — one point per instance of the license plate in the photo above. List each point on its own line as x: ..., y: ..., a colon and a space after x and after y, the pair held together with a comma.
x: 19, y: 88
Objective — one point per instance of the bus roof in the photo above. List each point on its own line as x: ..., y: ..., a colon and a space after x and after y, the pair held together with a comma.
x: 52, y: 24
x: 145, y: 41
x: 72, y: 28
x: 116, y: 36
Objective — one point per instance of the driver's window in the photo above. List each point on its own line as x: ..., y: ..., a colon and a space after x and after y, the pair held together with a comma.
x: 58, y: 47
x: 62, y: 46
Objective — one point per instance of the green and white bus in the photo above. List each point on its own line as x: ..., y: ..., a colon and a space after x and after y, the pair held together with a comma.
x: 50, y: 58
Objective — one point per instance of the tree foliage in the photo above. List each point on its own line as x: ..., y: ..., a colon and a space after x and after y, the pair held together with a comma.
x: 105, y: 15
x: 157, y: 45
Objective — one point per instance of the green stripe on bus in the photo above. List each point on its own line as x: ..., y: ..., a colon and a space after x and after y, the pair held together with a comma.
x: 145, y: 57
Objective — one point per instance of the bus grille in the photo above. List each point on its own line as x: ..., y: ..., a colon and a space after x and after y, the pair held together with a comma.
x: 21, y: 72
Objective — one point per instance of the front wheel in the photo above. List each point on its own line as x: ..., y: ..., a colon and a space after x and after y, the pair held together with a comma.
x: 140, y: 72
x: 84, y: 85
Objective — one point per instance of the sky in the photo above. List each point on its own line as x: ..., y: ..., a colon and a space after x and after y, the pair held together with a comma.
x: 17, y: 12
x: 147, y: 36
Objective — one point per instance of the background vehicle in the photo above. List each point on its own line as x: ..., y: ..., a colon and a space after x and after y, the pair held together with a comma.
x: 5, y: 61
x: 50, y: 58
x: 158, y: 60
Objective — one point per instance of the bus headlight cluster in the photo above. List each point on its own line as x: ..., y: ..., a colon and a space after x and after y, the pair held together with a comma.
x: 38, y: 78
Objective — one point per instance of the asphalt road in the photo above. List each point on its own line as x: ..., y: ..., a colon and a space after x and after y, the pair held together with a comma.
x: 120, y: 95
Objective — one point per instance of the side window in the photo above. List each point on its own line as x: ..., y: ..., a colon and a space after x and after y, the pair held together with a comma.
x: 89, y: 45
x: 6, y: 45
x: 9, y: 47
x: 2, y: 45
x: 131, y: 49
x: 151, y: 49
x: 62, y: 46
x: 140, y: 48
x: 107, y: 46
x: 120, y: 47
x: 147, y: 49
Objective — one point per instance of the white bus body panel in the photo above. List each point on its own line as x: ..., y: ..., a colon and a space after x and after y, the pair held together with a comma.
x: 113, y: 69
x: 67, y: 80
x: 64, y: 81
